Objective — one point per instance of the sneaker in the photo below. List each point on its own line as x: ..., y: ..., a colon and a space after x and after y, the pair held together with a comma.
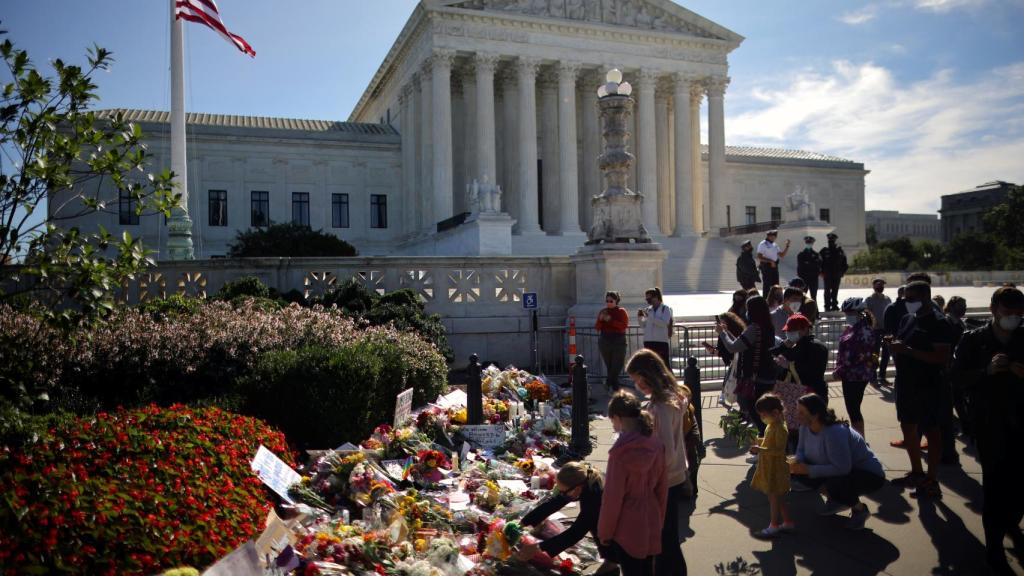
x: 769, y: 532
x: 858, y: 518
x: 910, y: 480
x: 832, y: 508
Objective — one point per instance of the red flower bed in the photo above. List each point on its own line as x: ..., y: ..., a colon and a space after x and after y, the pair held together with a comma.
x: 134, y: 492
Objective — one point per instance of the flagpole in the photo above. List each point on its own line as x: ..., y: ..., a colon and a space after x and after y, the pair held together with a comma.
x: 179, y: 235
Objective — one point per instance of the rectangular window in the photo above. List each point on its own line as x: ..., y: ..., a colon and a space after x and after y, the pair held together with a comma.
x: 378, y: 211
x: 126, y: 209
x: 339, y: 210
x: 824, y: 215
x: 751, y: 214
x: 218, y: 207
x: 776, y: 213
x: 300, y: 208
x: 260, y: 203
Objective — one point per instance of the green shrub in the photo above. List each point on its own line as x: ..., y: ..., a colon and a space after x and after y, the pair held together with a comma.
x: 173, y: 305
x: 290, y: 239
x: 245, y: 286
x: 134, y: 492
x: 322, y: 397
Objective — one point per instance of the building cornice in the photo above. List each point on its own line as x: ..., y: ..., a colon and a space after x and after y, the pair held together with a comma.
x: 512, y: 27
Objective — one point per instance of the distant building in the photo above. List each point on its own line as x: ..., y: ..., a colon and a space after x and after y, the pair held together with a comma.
x: 890, y: 224
x: 963, y: 212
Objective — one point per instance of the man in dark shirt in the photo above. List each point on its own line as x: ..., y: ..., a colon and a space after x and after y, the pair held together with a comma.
x: 922, y: 347
x: 990, y: 362
x: 833, y: 267
x: 808, y: 267
x: 746, y: 267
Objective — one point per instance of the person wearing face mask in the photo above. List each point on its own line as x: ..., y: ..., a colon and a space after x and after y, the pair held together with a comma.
x: 803, y: 349
x: 768, y: 255
x: 833, y: 267
x: 575, y: 482
x: 756, y: 371
x: 656, y: 321
x: 612, y: 322
x: 792, y: 300
x: 809, y: 308
x: 746, y: 267
x: 808, y: 266
x: 990, y: 362
x: 876, y: 303
x: 922, y: 347
x: 854, y: 363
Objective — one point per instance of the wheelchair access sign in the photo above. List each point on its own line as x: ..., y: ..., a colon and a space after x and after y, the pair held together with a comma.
x: 529, y: 300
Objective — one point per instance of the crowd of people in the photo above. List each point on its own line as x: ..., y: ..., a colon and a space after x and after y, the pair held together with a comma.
x: 949, y: 375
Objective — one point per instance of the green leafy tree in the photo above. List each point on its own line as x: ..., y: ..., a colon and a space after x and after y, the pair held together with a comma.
x: 61, y: 161
x: 877, y: 259
x: 288, y: 240
x: 930, y: 254
x: 972, y: 251
x: 1003, y: 224
x: 903, y: 248
x: 871, y: 236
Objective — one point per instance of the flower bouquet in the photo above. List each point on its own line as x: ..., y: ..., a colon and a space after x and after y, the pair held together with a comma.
x: 426, y: 470
x: 368, y: 483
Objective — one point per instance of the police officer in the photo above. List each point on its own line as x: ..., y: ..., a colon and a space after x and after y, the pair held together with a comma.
x: 808, y: 266
x: 768, y: 255
x: 833, y: 267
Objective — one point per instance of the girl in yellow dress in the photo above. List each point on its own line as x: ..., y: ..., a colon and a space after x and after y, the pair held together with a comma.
x: 772, y: 474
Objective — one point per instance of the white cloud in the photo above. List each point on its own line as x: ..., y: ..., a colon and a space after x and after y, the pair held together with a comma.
x: 856, y: 17
x: 920, y: 140
x: 943, y: 6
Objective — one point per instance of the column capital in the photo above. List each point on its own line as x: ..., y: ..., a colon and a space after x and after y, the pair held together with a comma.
x: 568, y: 70
x: 647, y: 79
x: 685, y: 80
x: 486, y: 62
x: 716, y: 86
x: 507, y: 75
x: 442, y: 57
x: 528, y: 65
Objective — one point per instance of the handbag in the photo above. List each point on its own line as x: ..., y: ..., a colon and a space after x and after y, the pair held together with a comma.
x: 731, y: 381
x: 789, y: 390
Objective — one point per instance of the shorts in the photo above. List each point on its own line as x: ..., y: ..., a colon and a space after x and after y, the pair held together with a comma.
x: 922, y: 403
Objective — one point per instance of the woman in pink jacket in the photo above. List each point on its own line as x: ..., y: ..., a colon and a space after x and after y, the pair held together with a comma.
x: 668, y: 408
x: 635, y: 491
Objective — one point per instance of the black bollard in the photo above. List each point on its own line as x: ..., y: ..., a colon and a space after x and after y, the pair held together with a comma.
x: 580, y: 409
x: 474, y: 393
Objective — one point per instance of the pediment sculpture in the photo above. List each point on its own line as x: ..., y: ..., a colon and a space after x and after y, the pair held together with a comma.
x: 631, y: 13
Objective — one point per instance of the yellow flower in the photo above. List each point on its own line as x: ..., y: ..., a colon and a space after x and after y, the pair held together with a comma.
x: 421, y: 545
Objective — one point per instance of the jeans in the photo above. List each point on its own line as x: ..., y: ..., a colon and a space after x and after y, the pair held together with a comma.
x: 629, y: 565
x: 848, y: 489
x: 671, y: 561
x: 661, y: 349
x: 613, y: 352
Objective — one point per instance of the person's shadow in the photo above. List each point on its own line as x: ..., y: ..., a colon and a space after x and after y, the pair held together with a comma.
x: 960, y: 552
x: 821, y: 545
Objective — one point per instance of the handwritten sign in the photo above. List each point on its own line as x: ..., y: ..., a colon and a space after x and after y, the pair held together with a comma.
x: 403, y: 407
x: 485, y: 435
x: 277, y: 475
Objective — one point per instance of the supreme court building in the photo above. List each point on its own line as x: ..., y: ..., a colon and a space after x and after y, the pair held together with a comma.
x: 505, y: 92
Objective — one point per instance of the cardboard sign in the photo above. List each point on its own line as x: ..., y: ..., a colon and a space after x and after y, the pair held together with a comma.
x: 274, y: 539
x: 242, y: 562
x: 403, y: 407
x: 277, y: 475
x: 394, y: 469
x: 454, y: 399
x: 485, y: 435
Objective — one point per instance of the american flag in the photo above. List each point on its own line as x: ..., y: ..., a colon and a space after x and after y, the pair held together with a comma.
x: 205, y: 12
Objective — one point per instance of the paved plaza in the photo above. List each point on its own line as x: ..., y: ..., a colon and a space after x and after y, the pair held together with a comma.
x: 904, y: 536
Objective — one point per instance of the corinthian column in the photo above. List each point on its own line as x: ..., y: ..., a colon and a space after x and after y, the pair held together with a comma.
x: 487, y: 162
x: 424, y: 195
x: 716, y: 146
x: 647, y: 163
x: 569, y: 180
x: 528, y: 220
x: 700, y: 192
x: 408, y: 126
x: 683, y: 157
x: 591, y: 145
x: 442, y: 135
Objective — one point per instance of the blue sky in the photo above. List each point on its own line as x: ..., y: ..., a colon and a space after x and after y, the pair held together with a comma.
x: 929, y: 94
